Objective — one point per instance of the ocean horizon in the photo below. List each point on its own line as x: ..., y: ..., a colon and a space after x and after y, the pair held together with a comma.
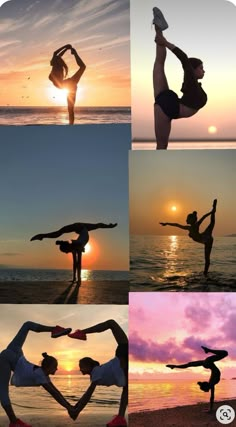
x: 189, y: 144
x: 44, y: 275
x: 58, y: 115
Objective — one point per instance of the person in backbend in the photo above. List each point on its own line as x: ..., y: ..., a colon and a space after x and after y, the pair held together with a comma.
x: 59, y: 73
x: 76, y: 247
x: 113, y: 372
x: 207, y: 363
x: 205, y: 237
x: 25, y: 373
x: 167, y: 104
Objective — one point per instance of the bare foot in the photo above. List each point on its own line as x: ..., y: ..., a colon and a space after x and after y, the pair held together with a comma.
x: 37, y: 237
x: 170, y: 366
x: 205, y: 349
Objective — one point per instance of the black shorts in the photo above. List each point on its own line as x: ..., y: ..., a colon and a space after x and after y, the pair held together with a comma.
x: 169, y: 102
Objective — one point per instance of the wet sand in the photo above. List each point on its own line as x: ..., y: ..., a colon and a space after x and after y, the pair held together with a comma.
x: 84, y: 420
x: 89, y: 292
x: 181, y: 416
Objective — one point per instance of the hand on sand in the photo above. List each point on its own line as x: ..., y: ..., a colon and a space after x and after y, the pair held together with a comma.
x: 37, y: 237
x: 170, y: 366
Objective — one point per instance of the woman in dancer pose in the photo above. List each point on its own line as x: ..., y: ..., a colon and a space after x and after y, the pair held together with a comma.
x: 114, y: 372
x: 26, y: 373
x: 167, y: 104
x: 207, y: 363
x: 59, y: 73
x: 205, y: 237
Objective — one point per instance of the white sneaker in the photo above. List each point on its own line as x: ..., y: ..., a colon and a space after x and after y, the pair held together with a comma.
x: 159, y: 20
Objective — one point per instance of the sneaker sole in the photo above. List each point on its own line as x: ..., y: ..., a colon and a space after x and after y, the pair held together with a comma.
x: 60, y: 334
x: 159, y: 15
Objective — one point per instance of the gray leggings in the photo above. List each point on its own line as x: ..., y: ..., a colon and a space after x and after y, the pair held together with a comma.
x: 10, y: 357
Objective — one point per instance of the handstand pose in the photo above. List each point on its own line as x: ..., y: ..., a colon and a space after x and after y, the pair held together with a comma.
x: 114, y: 372
x: 59, y: 73
x: 26, y: 373
x: 205, y: 238
x: 167, y: 104
x: 207, y: 363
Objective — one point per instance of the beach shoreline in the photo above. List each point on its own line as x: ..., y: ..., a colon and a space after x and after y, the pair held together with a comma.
x: 61, y: 292
x: 180, y: 416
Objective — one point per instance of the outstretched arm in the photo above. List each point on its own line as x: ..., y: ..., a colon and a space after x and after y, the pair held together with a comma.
x: 55, y: 393
x: 74, y: 411
x: 212, y: 398
x: 203, y: 217
x: 174, y: 224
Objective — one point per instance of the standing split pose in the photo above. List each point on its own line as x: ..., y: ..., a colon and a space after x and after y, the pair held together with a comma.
x: 167, y: 104
x: 26, y: 373
x: 207, y: 363
x: 205, y: 237
x: 114, y: 372
x: 59, y: 73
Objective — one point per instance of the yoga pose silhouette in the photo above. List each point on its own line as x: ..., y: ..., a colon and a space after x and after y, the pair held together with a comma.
x: 167, y: 104
x: 114, y: 372
x: 207, y: 363
x: 205, y: 237
x: 59, y: 73
x: 26, y: 373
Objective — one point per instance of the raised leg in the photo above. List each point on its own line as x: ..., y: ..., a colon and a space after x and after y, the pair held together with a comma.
x: 187, y: 365
x: 207, y: 251
x: 218, y: 354
x: 117, y: 331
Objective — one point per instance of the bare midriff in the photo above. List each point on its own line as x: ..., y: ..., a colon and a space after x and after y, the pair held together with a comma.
x: 185, y: 111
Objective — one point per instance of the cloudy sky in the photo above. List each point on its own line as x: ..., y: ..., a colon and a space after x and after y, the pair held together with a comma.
x: 51, y: 176
x: 186, y: 180
x: 167, y: 328
x: 203, y: 29
x: 68, y: 351
x: 30, y: 31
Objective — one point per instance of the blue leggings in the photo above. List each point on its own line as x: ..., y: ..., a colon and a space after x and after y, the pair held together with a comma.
x: 10, y: 357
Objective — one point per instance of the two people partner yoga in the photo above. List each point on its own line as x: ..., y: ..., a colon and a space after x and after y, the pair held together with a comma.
x: 207, y: 363
x: 59, y: 73
x: 114, y: 372
x: 75, y: 247
x: 205, y: 237
x: 167, y: 104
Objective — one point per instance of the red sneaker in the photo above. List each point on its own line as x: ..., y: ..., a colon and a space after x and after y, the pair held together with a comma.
x: 117, y: 421
x: 78, y: 334
x: 19, y: 423
x: 58, y: 331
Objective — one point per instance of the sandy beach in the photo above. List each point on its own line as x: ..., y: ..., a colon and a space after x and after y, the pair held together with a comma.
x: 84, y: 420
x: 181, y: 416
x: 90, y: 292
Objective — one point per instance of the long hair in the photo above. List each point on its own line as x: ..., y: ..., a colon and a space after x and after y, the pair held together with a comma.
x: 59, y: 70
x: 195, y: 62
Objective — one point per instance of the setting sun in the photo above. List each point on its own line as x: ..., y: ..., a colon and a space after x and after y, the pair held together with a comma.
x: 58, y: 96
x: 87, y: 248
x: 212, y: 129
x: 173, y: 208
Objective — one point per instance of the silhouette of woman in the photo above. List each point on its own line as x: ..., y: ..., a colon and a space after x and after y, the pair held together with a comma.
x: 207, y: 363
x: 75, y: 247
x: 167, y: 104
x: 59, y: 73
x: 205, y: 237
x: 114, y: 372
x: 26, y: 373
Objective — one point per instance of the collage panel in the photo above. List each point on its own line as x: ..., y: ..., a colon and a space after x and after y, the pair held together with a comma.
x: 62, y: 365
x: 182, y: 359
x: 64, y: 62
x: 182, y: 74
x: 64, y: 215
x: 182, y: 221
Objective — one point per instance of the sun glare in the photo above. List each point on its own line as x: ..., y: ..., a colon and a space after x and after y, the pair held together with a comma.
x: 212, y: 129
x: 57, y: 96
x: 173, y: 208
x: 87, y: 248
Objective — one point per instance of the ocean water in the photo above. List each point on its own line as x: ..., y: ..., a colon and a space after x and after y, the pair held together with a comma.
x: 176, y: 263
x: 187, y: 145
x: 159, y: 394
x: 36, y: 401
x: 59, y: 115
x: 45, y: 275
